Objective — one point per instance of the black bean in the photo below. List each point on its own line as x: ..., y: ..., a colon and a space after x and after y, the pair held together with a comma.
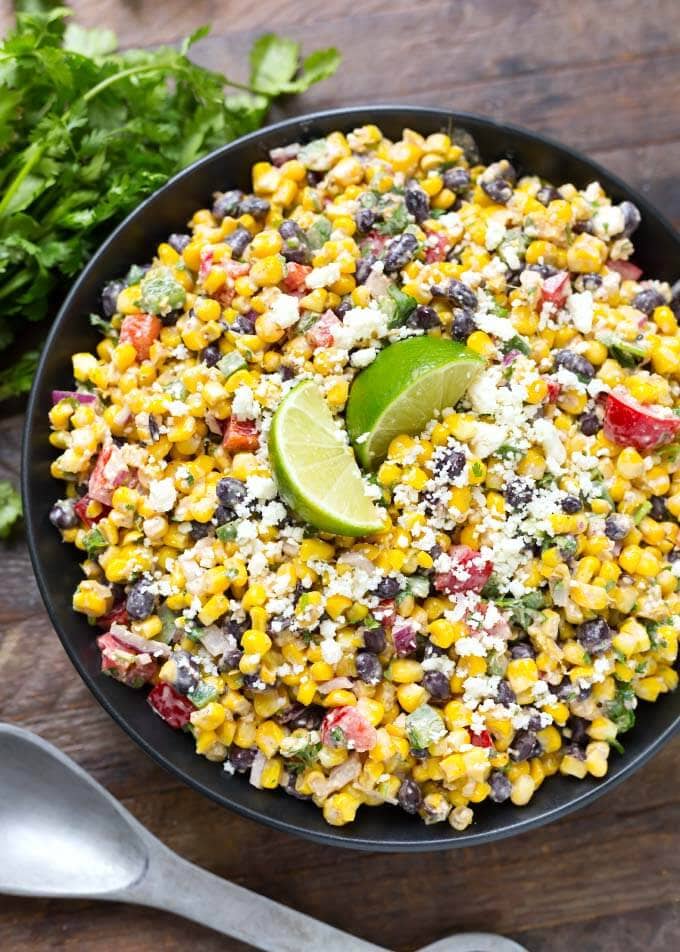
x: 187, y: 674
x: 154, y: 428
x: 449, y: 462
x: 534, y: 722
x: 573, y: 750
x: 456, y: 180
x: 566, y: 691
x: 342, y: 309
x: 579, y: 730
x: 631, y: 218
x: 424, y: 317
x: 437, y: 685
x: 388, y: 588
x: 505, y: 695
x: 241, y: 758
x: 459, y: 293
x: 179, y: 241
x: 110, y: 294
x: 211, y: 354
x: 369, y: 668
x: 223, y: 514
x: 590, y: 423
x: 591, y: 282
x: 310, y: 718
x: 501, y: 788
x: 400, y: 251
x: 364, y: 266
x: 244, y: 324
x: 409, y: 796
x: 365, y: 220
x: 254, y: 683
x: 257, y: 207
x: 659, y: 510
x: 583, y: 227
x: 230, y: 491
x: 431, y: 650
x: 230, y: 660
x: 547, y: 194
x: 595, y: 635
x: 296, y: 247
x: 420, y: 753
x: 63, y: 515
x: 673, y: 555
x: 617, y: 526
x: 518, y: 492
x: 238, y: 241
x: 523, y: 745
x: 141, y: 601
x: 571, y: 505
x: 545, y: 270
x: 499, y: 190
x: 647, y: 300
x: 463, y: 324
x: 522, y: 650
x: 199, y: 530
x: 575, y: 363
x: 374, y: 639
x: 417, y: 202
x: 227, y: 204
x: 291, y: 789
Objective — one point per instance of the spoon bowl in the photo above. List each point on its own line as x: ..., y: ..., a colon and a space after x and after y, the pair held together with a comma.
x: 60, y: 835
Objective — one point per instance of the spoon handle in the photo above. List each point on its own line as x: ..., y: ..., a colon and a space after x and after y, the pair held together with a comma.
x: 178, y: 886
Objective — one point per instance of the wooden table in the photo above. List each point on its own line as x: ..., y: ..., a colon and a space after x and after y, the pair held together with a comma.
x: 604, y: 77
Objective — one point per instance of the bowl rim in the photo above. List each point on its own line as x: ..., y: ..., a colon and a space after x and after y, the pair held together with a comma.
x: 331, y: 836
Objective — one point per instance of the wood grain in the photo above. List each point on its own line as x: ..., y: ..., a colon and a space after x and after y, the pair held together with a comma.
x: 603, y: 77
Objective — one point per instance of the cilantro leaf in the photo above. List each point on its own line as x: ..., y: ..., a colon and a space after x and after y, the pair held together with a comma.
x: 10, y: 507
x: 17, y: 379
x: 273, y: 61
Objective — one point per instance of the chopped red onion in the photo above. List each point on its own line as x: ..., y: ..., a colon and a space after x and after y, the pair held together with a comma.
x: 58, y: 395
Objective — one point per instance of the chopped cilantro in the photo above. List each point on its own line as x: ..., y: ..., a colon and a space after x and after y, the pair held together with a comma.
x: 103, y: 326
x: 627, y: 353
x: 523, y: 610
x: 94, y: 542
x: 227, y: 532
x: 319, y: 233
x: 305, y: 757
x: 516, y: 343
x: 398, y: 306
x: 620, y: 709
x: 395, y: 220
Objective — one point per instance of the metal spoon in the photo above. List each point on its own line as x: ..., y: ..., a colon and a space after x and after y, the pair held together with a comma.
x: 62, y: 834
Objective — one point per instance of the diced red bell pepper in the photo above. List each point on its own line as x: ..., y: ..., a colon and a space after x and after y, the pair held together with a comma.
x: 481, y: 739
x: 124, y: 664
x: 141, y: 330
x: 205, y: 263
x: 174, y: 708
x: 469, y: 572
x: 627, y: 270
x: 117, y: 616
x: 110, y: 471
x: 347, y: 727
x: 80, y: 509
x: 322, y: 334
x: 437, y: 250
x: 295, y: 277
x: 553, y: 390
x: 241, y: 436
x: 555, y: 289
x: 630, y: 423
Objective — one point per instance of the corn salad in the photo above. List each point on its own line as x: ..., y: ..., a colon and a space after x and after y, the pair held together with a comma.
x: 523, y: 595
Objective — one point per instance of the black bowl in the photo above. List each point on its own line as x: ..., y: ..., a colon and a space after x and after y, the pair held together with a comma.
x: 56, y: 565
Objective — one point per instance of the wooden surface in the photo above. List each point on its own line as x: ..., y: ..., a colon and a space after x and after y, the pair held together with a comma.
x: 603, y: 76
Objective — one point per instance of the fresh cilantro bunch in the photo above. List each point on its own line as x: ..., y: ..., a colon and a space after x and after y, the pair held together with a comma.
x: 87, y: 132
x: 10, y: 507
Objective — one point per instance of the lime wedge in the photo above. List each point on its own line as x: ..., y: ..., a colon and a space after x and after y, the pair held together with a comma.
x: 315, y: 468
x: 407, y: 385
